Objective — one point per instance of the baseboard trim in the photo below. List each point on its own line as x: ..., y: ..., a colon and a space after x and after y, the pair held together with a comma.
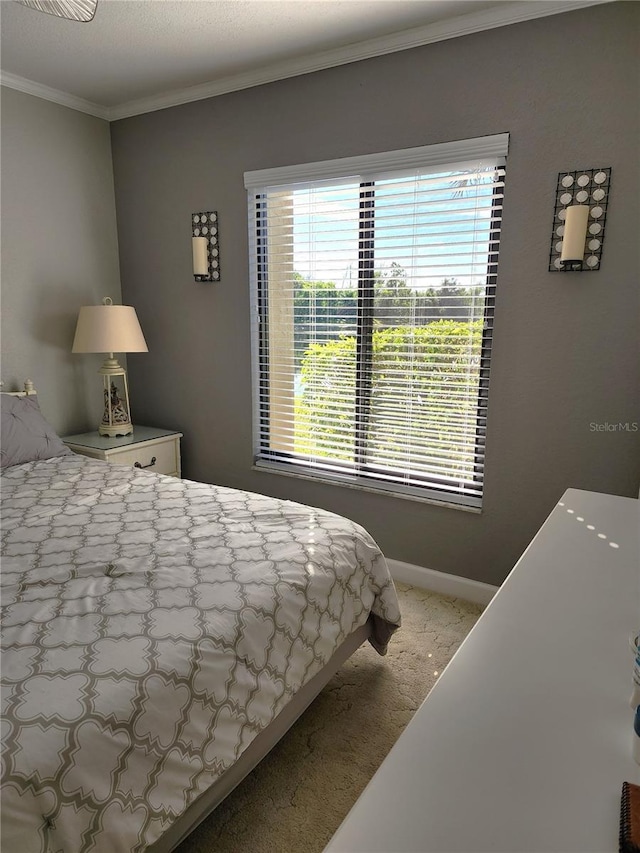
x: 470, y: 590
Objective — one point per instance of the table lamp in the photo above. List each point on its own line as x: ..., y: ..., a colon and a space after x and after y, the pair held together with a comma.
x: 110, y: 328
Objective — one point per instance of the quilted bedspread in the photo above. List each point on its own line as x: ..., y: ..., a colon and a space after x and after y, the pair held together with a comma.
x: 152, y: 627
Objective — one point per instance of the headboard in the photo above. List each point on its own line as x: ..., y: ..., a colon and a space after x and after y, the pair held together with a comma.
x: 28, y: 389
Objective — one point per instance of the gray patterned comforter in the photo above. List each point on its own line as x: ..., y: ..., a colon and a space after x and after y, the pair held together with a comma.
x: 152, y: 627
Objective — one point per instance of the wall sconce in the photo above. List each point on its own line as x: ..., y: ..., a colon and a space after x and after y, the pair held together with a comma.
x: 579, y: 220
x: 204, y: 242
x: 109, y: 329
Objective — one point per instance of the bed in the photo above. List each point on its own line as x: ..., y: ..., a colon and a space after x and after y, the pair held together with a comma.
x: 159, y: 637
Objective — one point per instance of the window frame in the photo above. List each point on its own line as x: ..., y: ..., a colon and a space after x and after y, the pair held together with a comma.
x: 360, y: 475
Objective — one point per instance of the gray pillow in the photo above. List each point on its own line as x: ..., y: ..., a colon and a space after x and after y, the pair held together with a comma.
x: 25, y: 436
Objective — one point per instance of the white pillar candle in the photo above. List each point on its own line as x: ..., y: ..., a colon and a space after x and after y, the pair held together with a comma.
x: 200, y: 258
x: 575, y: 232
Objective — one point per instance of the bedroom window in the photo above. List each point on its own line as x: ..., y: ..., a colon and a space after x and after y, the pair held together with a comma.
x: 373, y: 282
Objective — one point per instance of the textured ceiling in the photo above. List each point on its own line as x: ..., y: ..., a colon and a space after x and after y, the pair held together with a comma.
x: 136, y: 49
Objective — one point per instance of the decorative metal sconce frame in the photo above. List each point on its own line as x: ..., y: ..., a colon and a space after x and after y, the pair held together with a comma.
x: 204, y: 226
x: 589, y: 187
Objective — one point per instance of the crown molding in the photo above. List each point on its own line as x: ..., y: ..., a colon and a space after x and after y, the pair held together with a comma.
x: 30, y: 87
x: 474, y: 22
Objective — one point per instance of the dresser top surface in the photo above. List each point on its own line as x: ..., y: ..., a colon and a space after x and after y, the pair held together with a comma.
x: 525, y: 740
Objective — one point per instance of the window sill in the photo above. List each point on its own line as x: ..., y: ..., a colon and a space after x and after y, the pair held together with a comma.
x: 285, y: 471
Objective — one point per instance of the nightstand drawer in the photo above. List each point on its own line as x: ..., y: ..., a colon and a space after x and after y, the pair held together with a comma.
x: 147, y: 448
x: 161, y: 458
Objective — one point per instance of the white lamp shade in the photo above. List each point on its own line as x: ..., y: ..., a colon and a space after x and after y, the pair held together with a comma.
x: 108, y: 328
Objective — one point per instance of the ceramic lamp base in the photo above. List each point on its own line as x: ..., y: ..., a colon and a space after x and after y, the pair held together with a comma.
x: 116, y: 419
x: 115, y: 429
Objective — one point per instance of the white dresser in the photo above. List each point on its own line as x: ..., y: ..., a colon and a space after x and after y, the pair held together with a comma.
x: 523, y: 744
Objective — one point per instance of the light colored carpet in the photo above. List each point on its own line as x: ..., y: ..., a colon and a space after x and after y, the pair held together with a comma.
x: 299, y: 794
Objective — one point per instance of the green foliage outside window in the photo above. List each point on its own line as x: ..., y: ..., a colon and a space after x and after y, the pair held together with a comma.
x: 323, y: 311
x: 423, y: 393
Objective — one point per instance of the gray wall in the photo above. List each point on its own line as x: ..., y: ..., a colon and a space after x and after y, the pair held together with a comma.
x: 59, y: 251
x: 566, y: 345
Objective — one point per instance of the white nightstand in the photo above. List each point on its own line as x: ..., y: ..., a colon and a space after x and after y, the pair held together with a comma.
x: 157, y: 450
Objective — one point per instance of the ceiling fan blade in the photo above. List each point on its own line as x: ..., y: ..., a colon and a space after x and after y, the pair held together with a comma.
x: 73, y: 10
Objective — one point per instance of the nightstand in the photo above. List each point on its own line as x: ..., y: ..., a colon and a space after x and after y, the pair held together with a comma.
x: 152, y: 449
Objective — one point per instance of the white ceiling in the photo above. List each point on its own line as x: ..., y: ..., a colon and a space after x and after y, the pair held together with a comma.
x: 138, y: 55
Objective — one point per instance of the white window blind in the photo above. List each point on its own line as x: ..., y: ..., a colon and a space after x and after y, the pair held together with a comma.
x: 373, y: 282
